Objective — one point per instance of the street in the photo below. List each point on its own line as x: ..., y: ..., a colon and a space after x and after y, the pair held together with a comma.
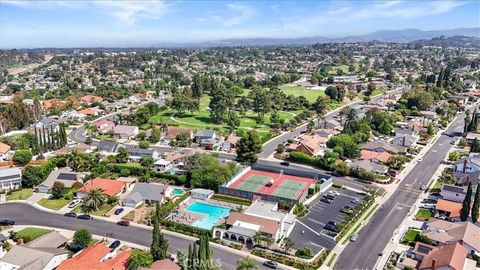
x: 24, y: 214
x: 373, y: 237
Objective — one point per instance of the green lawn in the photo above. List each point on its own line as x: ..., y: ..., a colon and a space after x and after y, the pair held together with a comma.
x: 310, y: 95
x: 424, y: 214
x: 130, y: 216
x: 202, y: 120
x: 410, y: 236
x: 53, y: 204
x: 30, y: 234
x: 22, y: 194
x: 344, y: 68
x: 102, y: 211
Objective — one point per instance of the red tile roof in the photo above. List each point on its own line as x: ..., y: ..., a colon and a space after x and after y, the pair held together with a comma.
x: 449, y: 256
x: 448, y: 206
x: 108, y: 186
x: 90, y: 258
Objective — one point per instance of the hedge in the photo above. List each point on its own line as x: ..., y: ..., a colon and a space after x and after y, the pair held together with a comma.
x: 185, y: 229
x: 283, y: 259
x: 231, y: 199
x: 134, y: 168
x: 178, y: 179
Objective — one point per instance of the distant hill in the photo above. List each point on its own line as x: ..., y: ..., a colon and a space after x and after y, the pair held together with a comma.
x: 455, y: 41
x: 398, y: 36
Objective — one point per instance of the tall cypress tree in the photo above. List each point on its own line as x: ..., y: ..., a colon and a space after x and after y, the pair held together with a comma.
x: 194, y: 258
x: 476, y: 205
x: 155, y: 247
x: 474, y: 122
x: 465, y: 211
x: 188, y: 263
x: 45, y: 143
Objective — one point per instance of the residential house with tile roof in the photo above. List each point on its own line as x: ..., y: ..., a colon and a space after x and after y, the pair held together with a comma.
x: 97, y: 256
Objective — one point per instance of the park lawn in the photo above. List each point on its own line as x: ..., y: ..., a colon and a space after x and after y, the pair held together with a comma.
x: 334, y: 69
x: 424, y: 214
x: 22, y: 194
x: 410, y: 236
x: 29, y: 234
x: 310, y: 94
x: 53, y: 204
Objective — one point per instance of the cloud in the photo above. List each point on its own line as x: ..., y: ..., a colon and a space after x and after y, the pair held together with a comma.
x: 242, y: 14
x: 125, y: 11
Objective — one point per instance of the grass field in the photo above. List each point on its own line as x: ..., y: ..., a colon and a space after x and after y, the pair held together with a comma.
x: 29, y: 234
x: 310, y: 95
x: 424, y: 214
x: 22, y: 194
x: 53, y: 204
x: 410, y: 236
x: 102, y: 211
x: 202, y: 120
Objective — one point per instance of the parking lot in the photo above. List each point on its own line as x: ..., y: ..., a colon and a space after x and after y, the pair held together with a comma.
x: 309, y: 231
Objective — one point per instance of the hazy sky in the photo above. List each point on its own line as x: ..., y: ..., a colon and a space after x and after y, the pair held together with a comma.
x: 29, y: 24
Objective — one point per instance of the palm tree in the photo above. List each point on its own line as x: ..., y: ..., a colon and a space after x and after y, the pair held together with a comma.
x: 95, y: 199
x: 247, y: 264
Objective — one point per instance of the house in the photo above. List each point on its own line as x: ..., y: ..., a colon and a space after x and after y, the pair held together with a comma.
x: 108, y: 147
x: 173, y: 131
x: 269, y: 210
x: 135, y: 153
x: 449, y: 209
x: 146, y: 192
x: 91, y: 112
x: 330, y: 124
x: 327, y: 133
x: 455, y: 193
x: 378, y: 157
x: 65, y: 176
x: 97, y: 256
x: 11, y: 178
x: 165, y: 264
x: 469, y: 164
x: 162, y: 165
x: 205, y: 134
x: 104, y: 126
x: 52, y: 239
x: 383, y: 146
x: 311, y: 145
x: 4, y: 151
x: 451, y: 256
x: 88, y: 99
x: 81, y: 148
x: 25, y: 257
x: 47, y: 124
x: 125, y: 132
x: 471, y: 137
x: 72, y: 115
x: 201, y: 193
x: 405, y: 138
x: 443, y: 232
x: 230, y: 143
x: 109, y: 187
x: 369, y: 166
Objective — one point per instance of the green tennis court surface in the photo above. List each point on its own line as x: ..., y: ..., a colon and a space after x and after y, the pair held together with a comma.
x: 289, y: 189
x: 254, y: 182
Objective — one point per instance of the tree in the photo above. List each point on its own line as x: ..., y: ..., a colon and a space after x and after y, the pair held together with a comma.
x: 146, y: 161
x: 465, y: 211
x: 31, y: 176
x: 280, y: 148
x: 247, y: 264
x: 94, y: 199
x: 350, y: 147
x: 321, y: 104
x: 472, y: 126
x: 159, y: 246
x: 204, y: 171
x: 82, y: 237
x: 58, y: 190
x: 454, y: 156
x: 156, y: 135
x: 144, y: 144
x: 332, y: 92
x: 139, y: 258
x: 248, y: 147
x: 233, y: 121
x: 261, y: 101
x: 122, y: 156
x: 221, y: 101
x: 22, y: 157
x: 310, y: 125
x: 476, y: 205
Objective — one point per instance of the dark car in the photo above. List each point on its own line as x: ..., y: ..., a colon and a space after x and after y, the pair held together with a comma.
x: 124, y: 223
x: 118, y: 211
x: 330, y: 196
x: 115, y: 244
x: 7, y: 222
x: 271, y: 264
x: 330, y: 227
x: 70, y: 214
x: 285, y: 163
x: 74, y: 247
x: 325, y: 200
x: 85, y: 217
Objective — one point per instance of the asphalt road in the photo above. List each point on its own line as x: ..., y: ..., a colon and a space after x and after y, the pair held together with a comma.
x: 373, y: 238
x: 24, y: 214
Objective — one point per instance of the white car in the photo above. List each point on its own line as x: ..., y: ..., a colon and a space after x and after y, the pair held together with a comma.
x: 419, y: 159
x: 74, y: 203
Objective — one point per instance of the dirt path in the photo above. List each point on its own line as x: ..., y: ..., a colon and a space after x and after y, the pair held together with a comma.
x: 17, y: 70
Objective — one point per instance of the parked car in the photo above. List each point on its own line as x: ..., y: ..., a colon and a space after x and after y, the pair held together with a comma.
x: 271, y: 264
x: 419, y: 159
x: 124, y: 223
x: 74, y: 247
x: 325, y: 200
x: 85, y: 217
x: 74, y: 203
x: 285, y: 163
x: 354, y: 237
x: 356, y: 201
x: 330, y: 196
x: 330, y: 227
x: 423, y: 187
x: 114, y: 245
x: 7, y: 222
x: 118, y: 211
x: 70, y: 214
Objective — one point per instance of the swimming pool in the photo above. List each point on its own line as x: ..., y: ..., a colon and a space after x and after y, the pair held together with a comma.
x: 178, y: 192
x: 213, y: 212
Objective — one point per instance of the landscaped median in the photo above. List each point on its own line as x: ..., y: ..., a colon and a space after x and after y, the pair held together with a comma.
x: 298, y: 263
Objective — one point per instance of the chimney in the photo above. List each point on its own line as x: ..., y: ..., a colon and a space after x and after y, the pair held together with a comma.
x: 464, y: 165
x: 460, y: 242
x: 403, y: 141
x: 434, y: 264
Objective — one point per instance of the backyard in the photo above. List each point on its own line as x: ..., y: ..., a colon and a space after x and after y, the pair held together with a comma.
x: 21, y: 194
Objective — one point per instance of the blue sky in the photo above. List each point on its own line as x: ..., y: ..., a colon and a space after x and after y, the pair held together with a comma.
x: 28, y: 24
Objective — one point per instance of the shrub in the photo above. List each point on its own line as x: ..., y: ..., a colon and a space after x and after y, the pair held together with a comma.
x: 22, y: 157
x: 231, y: 199
x: 82, y: 237
x: 304, y: 252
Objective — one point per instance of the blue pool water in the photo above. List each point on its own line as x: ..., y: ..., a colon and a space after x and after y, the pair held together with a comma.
x: 178, y: 192
x: 213, y: 212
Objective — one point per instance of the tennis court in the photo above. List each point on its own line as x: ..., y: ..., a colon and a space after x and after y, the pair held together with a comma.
x: 289, y: 189
x: 254, y: 182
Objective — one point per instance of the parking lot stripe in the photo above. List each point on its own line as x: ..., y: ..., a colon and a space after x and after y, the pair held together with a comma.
x: 308, y: 227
